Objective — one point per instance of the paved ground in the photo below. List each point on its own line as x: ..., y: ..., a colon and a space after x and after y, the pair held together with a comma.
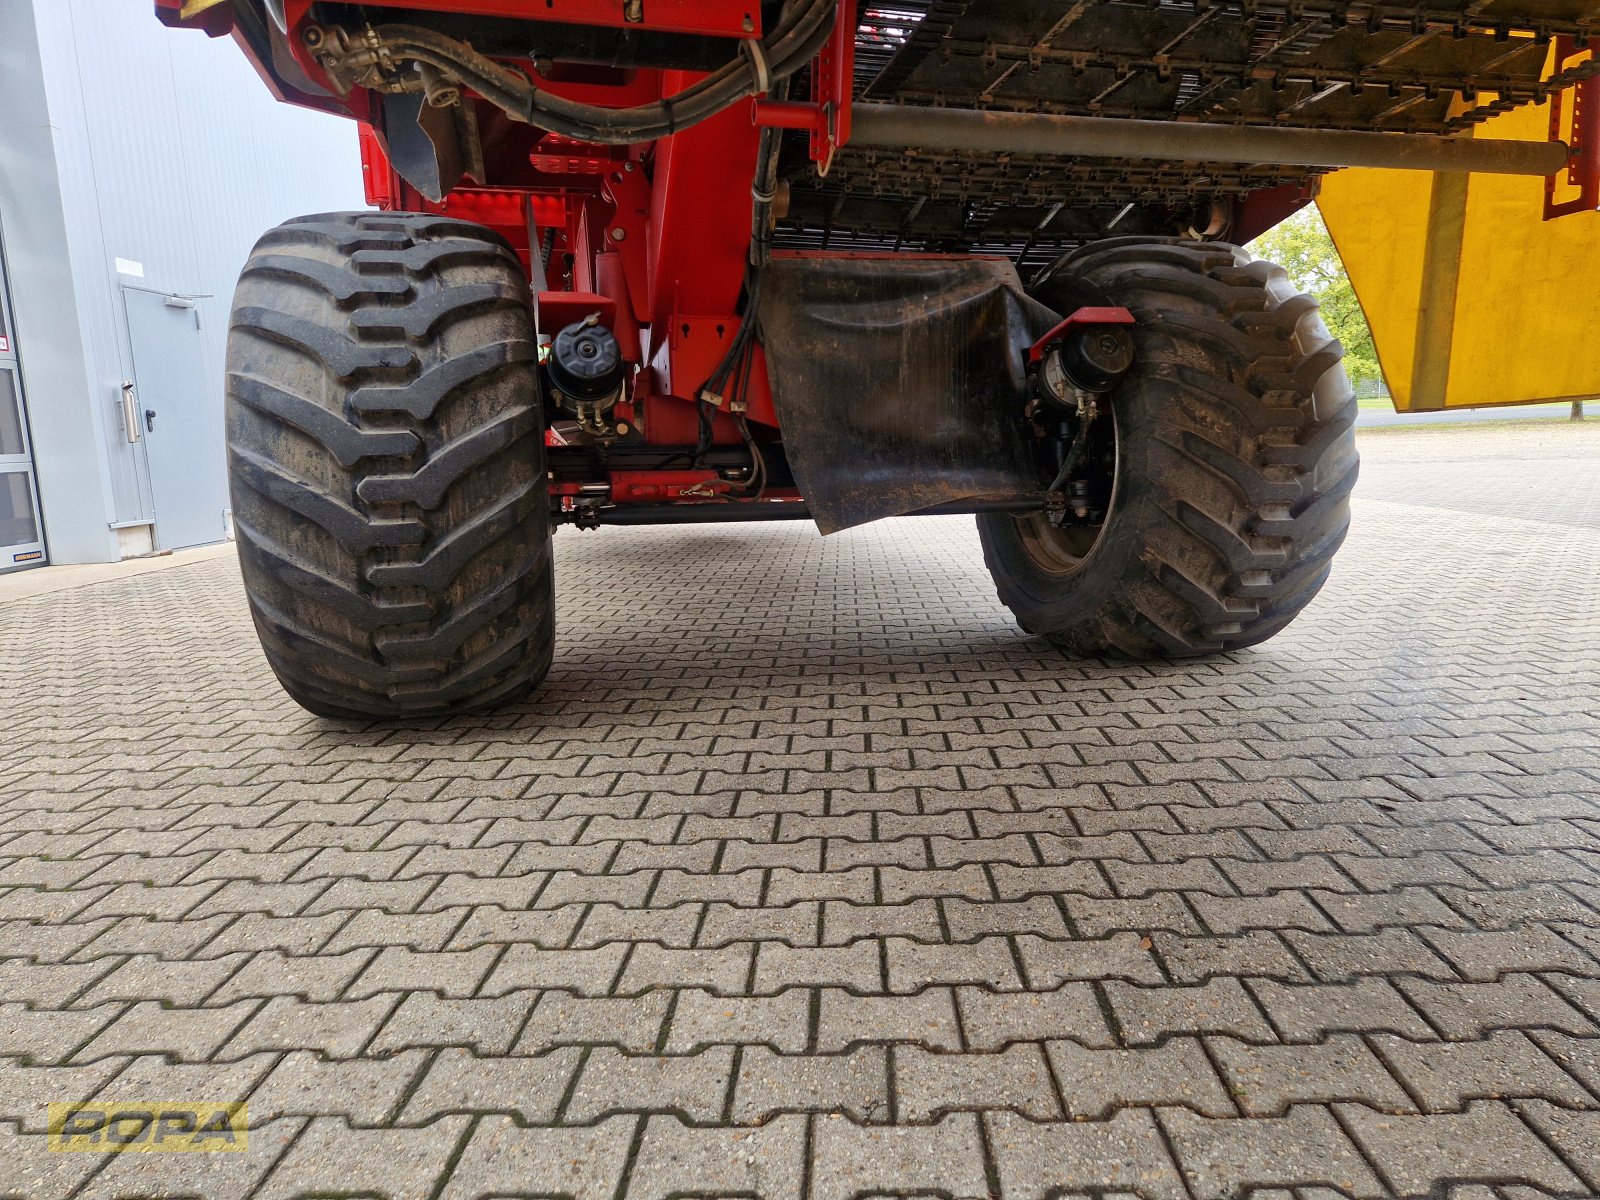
x: 807, y: 876
x: 1373, y: 418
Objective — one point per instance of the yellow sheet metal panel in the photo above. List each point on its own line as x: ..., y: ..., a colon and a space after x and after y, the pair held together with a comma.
x: 1522, y: 293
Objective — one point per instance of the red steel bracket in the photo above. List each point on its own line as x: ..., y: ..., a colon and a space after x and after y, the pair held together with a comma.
x: 1084, y: 316
x: 1582, y: 135
x: 827, y: 115
x: 557, y: 310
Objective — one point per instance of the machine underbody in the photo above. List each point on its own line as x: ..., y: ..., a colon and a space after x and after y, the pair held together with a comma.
x: 815, y: 258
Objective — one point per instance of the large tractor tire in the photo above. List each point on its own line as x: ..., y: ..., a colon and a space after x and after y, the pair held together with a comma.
x: 386, y: 455
x: 1234, y: 460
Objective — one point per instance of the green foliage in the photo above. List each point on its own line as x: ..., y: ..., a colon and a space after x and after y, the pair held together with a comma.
x: 1303, y: 247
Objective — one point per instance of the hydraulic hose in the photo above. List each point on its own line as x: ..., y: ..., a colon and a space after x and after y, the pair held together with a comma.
x: 800, y: 33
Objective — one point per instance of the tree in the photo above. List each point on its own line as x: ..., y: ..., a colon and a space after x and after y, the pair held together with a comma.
x: 1304, y: 248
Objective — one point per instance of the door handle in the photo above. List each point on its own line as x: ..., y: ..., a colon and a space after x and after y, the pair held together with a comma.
x: 130, y: 412
x: 149, y: 420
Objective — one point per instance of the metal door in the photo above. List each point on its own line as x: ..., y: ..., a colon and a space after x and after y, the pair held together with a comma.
x: 21, y: 537
x: 179, y: 413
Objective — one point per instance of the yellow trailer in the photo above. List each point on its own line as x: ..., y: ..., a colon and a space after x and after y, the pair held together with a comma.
x: 1477, y: 293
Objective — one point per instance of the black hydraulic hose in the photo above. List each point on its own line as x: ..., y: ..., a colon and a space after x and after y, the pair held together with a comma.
x: 1074, y: 454
x: 764, y: 188
x: 792, y: 44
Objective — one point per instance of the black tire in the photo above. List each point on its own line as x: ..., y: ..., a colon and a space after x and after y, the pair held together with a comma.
x: 1235, y: 460
x: 386, y: 461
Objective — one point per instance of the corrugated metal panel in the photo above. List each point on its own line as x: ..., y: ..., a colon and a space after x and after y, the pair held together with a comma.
x: 173, y: 156
x: 66, y: 427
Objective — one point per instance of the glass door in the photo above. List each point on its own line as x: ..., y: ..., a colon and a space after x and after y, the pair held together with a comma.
x: 21, y: 534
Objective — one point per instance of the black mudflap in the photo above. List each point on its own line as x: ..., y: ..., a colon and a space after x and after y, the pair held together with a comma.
x: 900, y: 381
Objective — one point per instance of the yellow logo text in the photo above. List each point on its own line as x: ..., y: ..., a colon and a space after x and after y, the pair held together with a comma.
x: 144, y: 1127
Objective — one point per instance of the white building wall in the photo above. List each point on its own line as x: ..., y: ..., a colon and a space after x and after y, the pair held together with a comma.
x: 170, y: 153
x: 48, y: 310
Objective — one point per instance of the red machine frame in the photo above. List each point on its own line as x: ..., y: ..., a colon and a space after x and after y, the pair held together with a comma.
x: 631, y: 232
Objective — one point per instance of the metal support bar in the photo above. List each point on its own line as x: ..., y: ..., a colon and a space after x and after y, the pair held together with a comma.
x: 705, y: 514
x: 784, y: 114
x: 893, y: 127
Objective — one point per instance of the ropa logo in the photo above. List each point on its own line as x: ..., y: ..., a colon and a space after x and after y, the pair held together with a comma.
x: 176, y: 1126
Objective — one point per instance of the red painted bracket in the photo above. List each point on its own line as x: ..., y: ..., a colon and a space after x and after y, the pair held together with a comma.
x: 827, y: 116
x: 557, y: 310
x: 1582, y: 135
x: 1083, y: 317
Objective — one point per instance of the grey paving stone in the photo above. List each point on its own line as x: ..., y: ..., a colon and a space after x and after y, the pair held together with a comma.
x: 289, y: 935
x: 170, y: 902
x: 858, y: 966
x: 365, y: 1091
x: 1306, y: 1147
x: 695, y: 1086
x: 586, y: 972
x: 1148, y: 1014
x: 1120, y: 956
x: 401, y: 969
x: 531, y: 1088
x: 854, y: 1084
x: 901, y: 884
x: 724, y: 924
x: 1578, y: 1056
x: 1575, y: 1135
x: 845, y: 923
x: 929, y: 1085
x: 50, y: 985
x: 1383, y: 832
x: 1486, y: 1142
x: 491, y: 925
x: 913, y: 966
x: 505, y: 1159
x: 178, y: 984
x: 417, y: 931
x: 1266, y: 1080
x: 320, y: 977
x: 162, y: 1077
x: 1309, y: 1012
x: 181, y: 938
x: 1163, y: 911
x: 488, y: 1026
x: 926, y: 1018
x: 673, y: 928
x: 1471, y: 1010
x: 993, y: 1020
x: 1408, y: 907
x: 197, y: 1176
x: 1095, y: 1082
x: 1583, y: 994
x: 849, y: 1160
x: 1257, y: 953
x: 700, y: 1018
x: 29, y: 1167
x: 338, y: 1029
x: 1038, y: 915
x: 192, y: 1034
x: 1044, y: 1161
x: 1338, y: 957
x: 403, y: 1164
x: 765, y: 1162
x: 458, y: 890
x: 1487, y: 956
x: 1444, y: 1076
x: 724, y: 970
x: 1240, y: 914
x: 27, y: 1092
